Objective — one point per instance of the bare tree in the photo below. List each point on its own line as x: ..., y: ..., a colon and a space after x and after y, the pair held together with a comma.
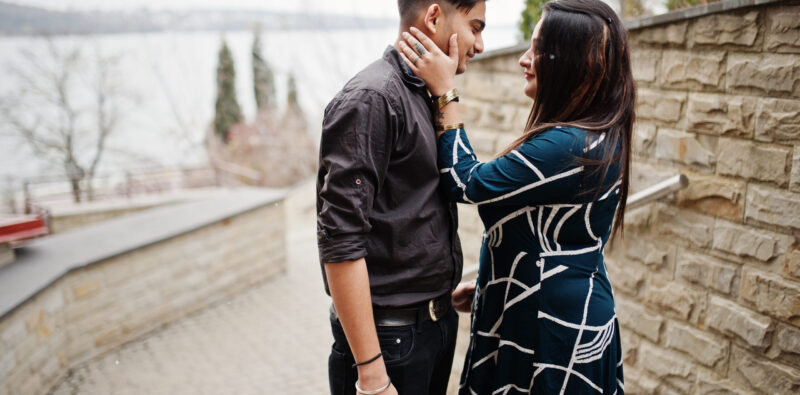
x: 9, y: 200
x: 66, y: 107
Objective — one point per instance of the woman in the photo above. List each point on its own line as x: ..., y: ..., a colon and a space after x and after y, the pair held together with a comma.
x: 543, y: 310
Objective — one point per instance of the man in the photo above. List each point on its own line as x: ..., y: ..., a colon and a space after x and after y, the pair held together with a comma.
x: 387, y: 239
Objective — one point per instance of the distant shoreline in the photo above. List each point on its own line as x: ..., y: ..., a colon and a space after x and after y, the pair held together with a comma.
x: 209, y: 30
x: 17, y: 20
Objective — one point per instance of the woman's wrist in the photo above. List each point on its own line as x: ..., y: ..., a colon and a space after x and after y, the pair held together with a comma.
x: 439, y: 91
x: 449, y: 114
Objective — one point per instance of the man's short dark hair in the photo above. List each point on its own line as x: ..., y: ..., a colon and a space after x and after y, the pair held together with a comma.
x: 409, y: 8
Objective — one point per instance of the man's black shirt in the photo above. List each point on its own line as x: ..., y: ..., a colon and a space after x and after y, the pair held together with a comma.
x: 377, y: 187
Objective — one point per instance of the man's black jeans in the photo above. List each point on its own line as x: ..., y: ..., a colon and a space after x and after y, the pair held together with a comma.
x: 418, y: 357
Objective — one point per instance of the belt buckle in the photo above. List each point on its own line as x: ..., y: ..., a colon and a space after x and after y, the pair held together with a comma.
x: 432, y: 311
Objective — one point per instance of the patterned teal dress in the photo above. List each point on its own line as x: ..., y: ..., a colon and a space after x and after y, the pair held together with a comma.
x: 543, y: 319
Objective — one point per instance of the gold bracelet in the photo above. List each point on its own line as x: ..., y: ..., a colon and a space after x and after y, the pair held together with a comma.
x: 443, y: 100
x: 451, y: 126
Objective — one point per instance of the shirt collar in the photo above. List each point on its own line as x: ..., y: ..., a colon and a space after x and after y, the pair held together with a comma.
x: 409, y: 78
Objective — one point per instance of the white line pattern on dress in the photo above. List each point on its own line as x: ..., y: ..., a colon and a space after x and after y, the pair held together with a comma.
x: 583, y: 353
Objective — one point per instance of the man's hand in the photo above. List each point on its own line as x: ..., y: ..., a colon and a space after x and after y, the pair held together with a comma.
x: 374, y: 385
x: 462, y: 297
x: 389, y: 391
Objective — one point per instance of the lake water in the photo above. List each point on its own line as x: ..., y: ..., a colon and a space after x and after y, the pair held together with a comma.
x: 171, y: 77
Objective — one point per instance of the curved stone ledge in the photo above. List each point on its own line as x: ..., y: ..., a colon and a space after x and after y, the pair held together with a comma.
x: 73, y: 296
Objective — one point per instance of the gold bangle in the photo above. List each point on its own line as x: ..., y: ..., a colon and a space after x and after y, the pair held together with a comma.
x: 449, y: 96
x: 451, y: 126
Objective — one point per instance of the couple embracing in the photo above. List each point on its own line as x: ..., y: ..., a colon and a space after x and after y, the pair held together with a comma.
x: 395, y: 159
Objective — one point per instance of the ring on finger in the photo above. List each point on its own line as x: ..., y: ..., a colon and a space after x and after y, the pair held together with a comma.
x: 420, y: 49
x: 415, y: 60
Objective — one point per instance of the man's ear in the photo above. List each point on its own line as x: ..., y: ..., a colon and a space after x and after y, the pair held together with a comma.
x: 433, y: 17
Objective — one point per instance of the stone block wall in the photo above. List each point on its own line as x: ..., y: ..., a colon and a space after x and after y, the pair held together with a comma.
x: 707, y: 284
x: 93, y: 310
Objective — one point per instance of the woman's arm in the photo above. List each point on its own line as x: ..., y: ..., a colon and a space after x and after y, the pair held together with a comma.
x: 540, y: 171
x: 543, y: 170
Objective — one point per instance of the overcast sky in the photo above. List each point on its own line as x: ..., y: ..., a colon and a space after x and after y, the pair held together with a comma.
x: 499, y: 12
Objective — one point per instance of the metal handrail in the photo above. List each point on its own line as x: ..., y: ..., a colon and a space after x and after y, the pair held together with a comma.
x: 651, y: 194
x: 655, y: 192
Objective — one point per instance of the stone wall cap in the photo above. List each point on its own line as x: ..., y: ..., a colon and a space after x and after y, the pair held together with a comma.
x: 695, y: 12
x: 655, y: 20
x: 135, y: 203
x: 46, y: 260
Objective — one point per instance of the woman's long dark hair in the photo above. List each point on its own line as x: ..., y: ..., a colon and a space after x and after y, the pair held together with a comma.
x: 584, y: 80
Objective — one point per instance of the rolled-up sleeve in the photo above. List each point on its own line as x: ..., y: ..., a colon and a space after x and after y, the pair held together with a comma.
x: 356, y: 144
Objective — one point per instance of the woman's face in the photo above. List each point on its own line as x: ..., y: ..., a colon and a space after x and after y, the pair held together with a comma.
x: 527, y: 62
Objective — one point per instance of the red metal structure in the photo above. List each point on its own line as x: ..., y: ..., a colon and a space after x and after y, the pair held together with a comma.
x: 14, y: 230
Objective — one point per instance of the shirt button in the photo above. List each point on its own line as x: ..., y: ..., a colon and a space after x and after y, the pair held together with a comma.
x: 358, y: 181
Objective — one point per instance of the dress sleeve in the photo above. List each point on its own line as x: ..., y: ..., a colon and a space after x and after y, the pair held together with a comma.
x: 543, y: 170
x: 356, y: 144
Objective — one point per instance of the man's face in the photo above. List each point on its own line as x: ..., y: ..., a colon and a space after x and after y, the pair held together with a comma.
x: 469, y: 27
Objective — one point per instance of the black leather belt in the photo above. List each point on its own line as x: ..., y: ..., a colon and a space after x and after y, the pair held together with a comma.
x: 433, y: 310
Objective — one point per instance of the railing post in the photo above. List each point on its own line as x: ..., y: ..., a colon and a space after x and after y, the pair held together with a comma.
x: 128, y: 186
x: 9, y: 195
x: 27, y: 209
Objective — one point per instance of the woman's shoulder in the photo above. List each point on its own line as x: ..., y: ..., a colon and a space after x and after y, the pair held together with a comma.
x: 568, y: 138
x: 564, y: 132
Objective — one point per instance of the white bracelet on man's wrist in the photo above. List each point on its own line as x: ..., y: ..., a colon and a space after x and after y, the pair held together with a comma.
x: 373, y: 392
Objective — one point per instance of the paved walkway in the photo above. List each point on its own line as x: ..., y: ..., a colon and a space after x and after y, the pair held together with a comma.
x: 271, y: 339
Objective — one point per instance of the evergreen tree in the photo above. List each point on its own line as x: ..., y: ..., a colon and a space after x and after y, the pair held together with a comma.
x: 291, y: 99
x: 632, y: 9
x: 228, y: 112
x: 294, y: 119
x: 530, y: 16
x: 678, y: 4
x: 263, y: 79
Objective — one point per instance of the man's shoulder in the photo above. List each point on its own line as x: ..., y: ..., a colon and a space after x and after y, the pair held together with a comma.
x: 378, y: 78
